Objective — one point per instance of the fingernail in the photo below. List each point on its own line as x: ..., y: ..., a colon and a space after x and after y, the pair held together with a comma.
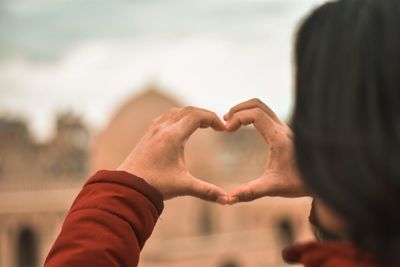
x: 223, y: 200
x: 233, y: 200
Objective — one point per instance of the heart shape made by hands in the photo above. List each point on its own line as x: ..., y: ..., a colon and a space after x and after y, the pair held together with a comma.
x: 160, y: 155
x: 234, y: 155
x: 226, y: 159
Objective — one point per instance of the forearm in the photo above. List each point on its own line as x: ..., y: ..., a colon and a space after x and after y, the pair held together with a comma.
x: 108, y: 223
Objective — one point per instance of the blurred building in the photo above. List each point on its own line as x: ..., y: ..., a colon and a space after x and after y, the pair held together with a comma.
x: 38, y: 182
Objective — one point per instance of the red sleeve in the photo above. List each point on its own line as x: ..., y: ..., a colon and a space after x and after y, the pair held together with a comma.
x: 108, y: 223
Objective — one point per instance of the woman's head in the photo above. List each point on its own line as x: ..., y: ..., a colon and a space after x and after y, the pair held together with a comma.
x: 347, y: 116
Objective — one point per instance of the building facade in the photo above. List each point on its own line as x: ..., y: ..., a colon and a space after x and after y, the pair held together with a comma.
x: 38, y: 182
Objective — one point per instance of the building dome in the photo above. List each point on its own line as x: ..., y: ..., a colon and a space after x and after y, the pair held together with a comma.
x: 127, y: 126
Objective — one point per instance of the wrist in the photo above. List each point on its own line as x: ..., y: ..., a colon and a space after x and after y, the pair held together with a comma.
x: 141, y: 175
x: 132, y: 181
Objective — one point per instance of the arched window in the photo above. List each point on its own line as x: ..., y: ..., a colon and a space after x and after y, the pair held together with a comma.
x: 286, y: 231
x: 206, y: 226
x: 230, y: 263
x: 27, y: 249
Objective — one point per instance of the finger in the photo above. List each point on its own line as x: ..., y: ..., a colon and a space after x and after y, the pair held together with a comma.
x: 239, y: 120
x: 189, y: 109
x: 255, y: 116
x: 168, y: 115
x: 197, y: 118
x: 249, y: 191
x: 226, y: 116
x: 206, y: 191
x: 252, y: 103
x: 158, y: 122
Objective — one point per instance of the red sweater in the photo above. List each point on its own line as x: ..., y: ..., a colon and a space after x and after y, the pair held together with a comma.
x: 115, y: 214
x: 108, y: 223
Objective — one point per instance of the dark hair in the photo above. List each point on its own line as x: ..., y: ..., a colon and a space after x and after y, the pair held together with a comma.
x: 347, y: 117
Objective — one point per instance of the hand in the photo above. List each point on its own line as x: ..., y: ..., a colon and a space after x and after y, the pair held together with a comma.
x: 281, y: 177
x: 159, y: 156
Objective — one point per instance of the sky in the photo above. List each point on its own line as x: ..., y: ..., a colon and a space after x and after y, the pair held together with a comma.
x: 90, y: 56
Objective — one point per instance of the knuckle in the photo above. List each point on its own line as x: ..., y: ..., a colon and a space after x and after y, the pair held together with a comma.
x: 235, y: 117
x: 166, y: 137
x: 258, y: 113
x: 209, y: 193
x: 213, y: 114
x: 258, y: 102
x: 161, y: 130
x: 192, y: 112
x: 189, y: 109
x: 167, y: 134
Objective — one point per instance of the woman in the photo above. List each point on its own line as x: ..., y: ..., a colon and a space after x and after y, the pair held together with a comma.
x: 344, y: 151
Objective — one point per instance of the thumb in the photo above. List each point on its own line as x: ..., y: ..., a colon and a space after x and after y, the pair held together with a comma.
x: 206, y: 191
x: 249, y: 191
